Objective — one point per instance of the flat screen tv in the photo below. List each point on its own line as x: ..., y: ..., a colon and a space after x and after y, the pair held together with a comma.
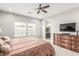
x: 69, y: 27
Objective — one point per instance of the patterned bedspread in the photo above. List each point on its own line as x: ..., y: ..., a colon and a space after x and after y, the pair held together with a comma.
x: 30, y: 46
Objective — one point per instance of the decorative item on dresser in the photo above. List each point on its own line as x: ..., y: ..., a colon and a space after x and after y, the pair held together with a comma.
x: 70, y: 42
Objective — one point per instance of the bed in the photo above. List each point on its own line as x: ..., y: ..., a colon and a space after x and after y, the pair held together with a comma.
x: 30, y: 46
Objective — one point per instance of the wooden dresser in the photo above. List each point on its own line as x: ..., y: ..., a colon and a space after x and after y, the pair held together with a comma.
x: 70, y: 42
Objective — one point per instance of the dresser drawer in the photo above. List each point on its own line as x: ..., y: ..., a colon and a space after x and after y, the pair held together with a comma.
x: 77, y: 43
x: 73, y: 43
x: 74, y: 47
x: 68, y: 46
x: 65, y: 37
x: 77, y: 48
x: 73, y: 38
x: 77, y: 39
x: 66, y: 41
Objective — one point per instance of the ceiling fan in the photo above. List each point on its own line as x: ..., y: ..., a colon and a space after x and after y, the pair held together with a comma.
x: 41, y: 8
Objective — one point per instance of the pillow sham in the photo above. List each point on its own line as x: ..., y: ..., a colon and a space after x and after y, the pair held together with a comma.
x: 6, y: 39
x: 4, y: 47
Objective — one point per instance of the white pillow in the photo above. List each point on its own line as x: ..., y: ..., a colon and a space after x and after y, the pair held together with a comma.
x: 1, y: 42
x: 6, y: 39
x: 4, y: 47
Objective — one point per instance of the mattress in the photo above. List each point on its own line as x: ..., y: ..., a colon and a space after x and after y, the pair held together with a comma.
x: 30, y: 46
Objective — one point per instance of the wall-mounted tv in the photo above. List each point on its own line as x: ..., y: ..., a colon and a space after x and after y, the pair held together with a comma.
x: 69, y: 27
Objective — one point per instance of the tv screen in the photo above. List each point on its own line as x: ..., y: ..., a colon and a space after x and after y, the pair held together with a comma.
x: 69, y: 27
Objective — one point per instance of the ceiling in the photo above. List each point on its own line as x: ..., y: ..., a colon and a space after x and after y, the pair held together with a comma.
x: 27, y: 9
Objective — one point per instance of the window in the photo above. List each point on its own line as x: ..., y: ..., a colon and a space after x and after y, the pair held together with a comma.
x: 31, y: 29
x: 20, y: 29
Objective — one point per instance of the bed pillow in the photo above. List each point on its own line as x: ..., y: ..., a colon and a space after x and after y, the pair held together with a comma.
x: 1, y: 42
x: 4, y: 47
x: 6, y: 39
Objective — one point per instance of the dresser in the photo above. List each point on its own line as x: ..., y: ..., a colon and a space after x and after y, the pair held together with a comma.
x: 70, y: 42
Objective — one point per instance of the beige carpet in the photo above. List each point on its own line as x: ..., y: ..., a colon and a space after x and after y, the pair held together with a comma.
x: 64, y: 52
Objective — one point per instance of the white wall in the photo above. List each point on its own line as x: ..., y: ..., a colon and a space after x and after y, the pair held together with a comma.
x: 7, y: 21
x: 69, y: 16
x: 43, y: 29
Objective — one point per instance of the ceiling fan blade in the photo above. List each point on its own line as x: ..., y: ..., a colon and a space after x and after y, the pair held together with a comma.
x: 44, y: 11
x: 45, y: 7
x: 38, y: 12
x: 40, y: 5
